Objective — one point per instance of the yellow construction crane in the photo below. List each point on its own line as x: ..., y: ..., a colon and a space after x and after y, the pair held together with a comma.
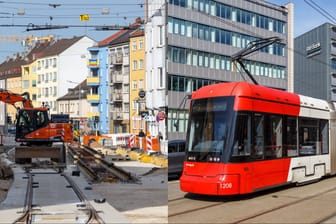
x: 25, y: 39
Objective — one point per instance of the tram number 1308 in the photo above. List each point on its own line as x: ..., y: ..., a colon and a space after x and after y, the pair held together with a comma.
x: 226, y: 185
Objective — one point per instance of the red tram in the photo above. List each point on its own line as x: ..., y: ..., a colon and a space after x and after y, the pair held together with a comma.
x: 244, y: 138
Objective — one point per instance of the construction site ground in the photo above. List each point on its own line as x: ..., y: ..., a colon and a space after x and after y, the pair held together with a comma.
x: 142, y: 202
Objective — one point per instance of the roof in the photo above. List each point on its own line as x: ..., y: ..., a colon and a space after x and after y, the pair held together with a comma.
x: 122, y: 36
x: 36, y: 52
x: 11, y: 67
x: 107, y: 40
x: 73, y: 93
x: 57, y: 47
x: 137, y: 33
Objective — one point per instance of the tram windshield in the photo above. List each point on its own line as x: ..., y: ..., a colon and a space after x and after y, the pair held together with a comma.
x: 209, y: 124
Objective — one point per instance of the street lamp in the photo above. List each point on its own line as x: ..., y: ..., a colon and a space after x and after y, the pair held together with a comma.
x: 79, y: 108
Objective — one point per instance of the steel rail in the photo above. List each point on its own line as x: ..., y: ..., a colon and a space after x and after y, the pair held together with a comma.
x: 26, y: 216
x: 93, y: 216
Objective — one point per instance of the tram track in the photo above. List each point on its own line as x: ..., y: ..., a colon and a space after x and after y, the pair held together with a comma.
x: 271, y: 210
x: 246, y: 209
x: 35, y: 213
x: 94, y: 164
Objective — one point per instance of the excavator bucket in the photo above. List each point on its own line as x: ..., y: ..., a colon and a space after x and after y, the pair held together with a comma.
x: 46, y: 156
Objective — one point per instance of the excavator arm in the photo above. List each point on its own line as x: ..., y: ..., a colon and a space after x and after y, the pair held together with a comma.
x: 9, y: 97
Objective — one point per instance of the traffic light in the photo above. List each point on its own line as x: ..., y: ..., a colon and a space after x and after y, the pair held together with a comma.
x: 96, y: 119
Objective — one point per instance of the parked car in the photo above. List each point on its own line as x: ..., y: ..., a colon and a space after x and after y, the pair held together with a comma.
x: 176, y: 154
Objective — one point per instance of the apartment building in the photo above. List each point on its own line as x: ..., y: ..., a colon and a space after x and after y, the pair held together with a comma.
x: 138, y: 113
x: 109, y: 81
x: 29, y: 68
x: 75, y: 103
x: 10, y: 79
x: 62, y: 65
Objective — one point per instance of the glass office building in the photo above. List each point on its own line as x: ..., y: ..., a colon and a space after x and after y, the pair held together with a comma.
x: 315, y: 63
x: 202, y: 35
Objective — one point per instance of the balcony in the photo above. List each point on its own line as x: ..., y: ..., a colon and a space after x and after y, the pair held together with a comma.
x: 92, y: 114
x: 92, y: 98
x: 117, y: 59
x: 117, y: 115
x: 117, y: 77
x: 117, y: 97
x: 93, y: 63
x: 92, y: 81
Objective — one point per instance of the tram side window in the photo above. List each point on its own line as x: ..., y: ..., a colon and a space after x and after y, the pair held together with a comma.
x: 309, y: 143
x: 273, y: 136
x: 290, y: 137
x: 258, y: 150
x: 242, y: 142
x: 324, y: 136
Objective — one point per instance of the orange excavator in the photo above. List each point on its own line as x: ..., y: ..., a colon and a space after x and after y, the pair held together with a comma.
x: 40, y: 136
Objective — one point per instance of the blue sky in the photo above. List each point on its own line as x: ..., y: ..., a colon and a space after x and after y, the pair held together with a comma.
x: 38, y: 12
x: 124, y: 12
x: 306, y: 17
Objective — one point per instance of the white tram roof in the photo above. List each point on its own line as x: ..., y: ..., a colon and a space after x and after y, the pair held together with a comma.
x: 312, y: 107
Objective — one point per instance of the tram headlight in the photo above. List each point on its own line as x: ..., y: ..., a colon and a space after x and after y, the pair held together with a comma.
x: 214, y: 159
x: 191, y: 158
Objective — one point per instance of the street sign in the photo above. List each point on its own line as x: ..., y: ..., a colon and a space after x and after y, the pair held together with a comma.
x: 84, y: 17
x: 142, y: 93
x: 144, y: 114
x: 160, y: 116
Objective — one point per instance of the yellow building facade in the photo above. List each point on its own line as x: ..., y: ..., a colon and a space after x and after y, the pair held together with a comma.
x: 13, y: 85
x: 29, y: 81
x: 137, y: 82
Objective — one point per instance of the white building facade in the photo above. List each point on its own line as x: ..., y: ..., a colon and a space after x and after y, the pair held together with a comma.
x: 156, y: 78
x: 62, y: 65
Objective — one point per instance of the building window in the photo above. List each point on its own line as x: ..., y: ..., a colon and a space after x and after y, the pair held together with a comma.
x: 182, y: 84
x: 141, y: 84
x: 126, y: 106
x: 160, y: 77
x: 179, y: 117
x: 134, y: 84
x: 217, y: 35
x: 221, y: 62
x: 134, y: 65
x: 141, y: 44
x: 134, y: 45
x: 134, y: 104
x: 141, y: 64
x: 25, y: 84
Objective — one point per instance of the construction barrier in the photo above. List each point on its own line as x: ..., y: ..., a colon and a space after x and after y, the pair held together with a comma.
x: 147, y: 143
